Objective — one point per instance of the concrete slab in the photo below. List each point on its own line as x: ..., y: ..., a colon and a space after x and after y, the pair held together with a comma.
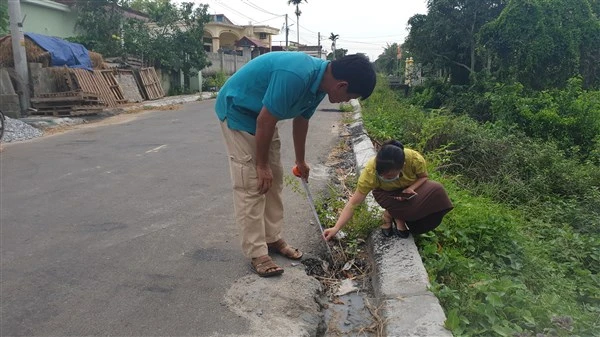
x: 403, y: 275
x: 415, y: 316
x: 6, y: 86
x: 10, y: 105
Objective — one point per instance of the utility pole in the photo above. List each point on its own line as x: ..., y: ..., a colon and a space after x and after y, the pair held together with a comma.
x: 287, y: 32
x: 298, y: 24
x: 319, y: 44
x: 19, y: 56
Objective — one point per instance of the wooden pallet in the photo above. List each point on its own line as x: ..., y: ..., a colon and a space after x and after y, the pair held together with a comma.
x: 69, y: 103
x: 70, y: 79
x: 64, y: 111
x: 151, y: 84
x: 115, y: 88
x: 66, y: 96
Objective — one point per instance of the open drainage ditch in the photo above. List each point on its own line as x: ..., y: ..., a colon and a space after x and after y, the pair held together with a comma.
x: 347, y: 301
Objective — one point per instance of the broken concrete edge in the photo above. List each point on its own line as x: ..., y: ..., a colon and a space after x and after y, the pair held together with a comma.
x: 400, y: 280
x: 50, y: 122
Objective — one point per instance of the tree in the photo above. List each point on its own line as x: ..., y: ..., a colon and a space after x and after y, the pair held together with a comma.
x: 99, y: 23
x: 298, y: 12
x: 171, y: 40
x: 333, y: 38
x: 388, y: 62
x: 4, y: 24
x: 543, y: 43
x: 446, y: 38
x: 147, y: 6
x: 339, y: 53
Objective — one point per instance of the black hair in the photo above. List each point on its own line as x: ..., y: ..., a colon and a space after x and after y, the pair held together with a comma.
x: 389, y: 157
x: 358, y: 71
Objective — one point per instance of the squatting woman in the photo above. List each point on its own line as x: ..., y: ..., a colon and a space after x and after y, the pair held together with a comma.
x: 398, y: 179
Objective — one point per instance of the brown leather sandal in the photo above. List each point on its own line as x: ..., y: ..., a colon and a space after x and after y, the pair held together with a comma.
x: 265, y: 267
x: 281, y: 247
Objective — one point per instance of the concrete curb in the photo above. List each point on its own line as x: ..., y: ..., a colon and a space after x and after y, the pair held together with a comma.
x: 400, y: 279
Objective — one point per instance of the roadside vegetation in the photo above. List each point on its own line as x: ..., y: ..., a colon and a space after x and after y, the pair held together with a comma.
x: 505, y: 105
x: 520, y: 253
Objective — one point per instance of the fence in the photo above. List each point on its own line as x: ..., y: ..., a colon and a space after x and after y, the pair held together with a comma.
x: 229, y: 64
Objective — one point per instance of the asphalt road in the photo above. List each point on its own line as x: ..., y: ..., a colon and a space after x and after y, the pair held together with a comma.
x: 127, y: 229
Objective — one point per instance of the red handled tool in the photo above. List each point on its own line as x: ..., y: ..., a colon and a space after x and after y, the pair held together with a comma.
x: 311, y: 202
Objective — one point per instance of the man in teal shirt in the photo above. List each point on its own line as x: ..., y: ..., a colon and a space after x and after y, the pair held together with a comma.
x: 270, y: 88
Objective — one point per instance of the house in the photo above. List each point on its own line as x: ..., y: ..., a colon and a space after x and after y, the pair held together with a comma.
x: 46, y: 17
x: 57, y: 18
x: 222, y: 34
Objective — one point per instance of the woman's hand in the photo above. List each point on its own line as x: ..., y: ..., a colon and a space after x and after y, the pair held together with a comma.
x: 408, y: 193
x: 409, y: 190
x: 329, y: 233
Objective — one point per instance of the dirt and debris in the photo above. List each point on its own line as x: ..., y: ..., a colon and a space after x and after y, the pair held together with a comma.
x: 349, y: 306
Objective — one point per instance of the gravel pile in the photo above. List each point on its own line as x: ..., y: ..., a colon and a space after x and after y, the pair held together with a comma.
x: 16, y: 130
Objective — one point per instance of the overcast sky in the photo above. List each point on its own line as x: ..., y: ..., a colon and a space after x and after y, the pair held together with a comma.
x: 365, y: 26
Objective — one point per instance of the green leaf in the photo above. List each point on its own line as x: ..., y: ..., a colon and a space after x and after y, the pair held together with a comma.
x: 452, y: 320
x: 494, y: 300
x: 502, y: 330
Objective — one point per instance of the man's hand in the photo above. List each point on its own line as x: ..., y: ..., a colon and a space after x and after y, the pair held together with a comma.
x: 265, y: 128
x: 265, y: 178
x: 303, y: 169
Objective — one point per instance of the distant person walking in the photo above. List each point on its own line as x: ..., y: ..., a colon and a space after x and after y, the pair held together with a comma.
x: 398, y: 179
x: 270, y: 88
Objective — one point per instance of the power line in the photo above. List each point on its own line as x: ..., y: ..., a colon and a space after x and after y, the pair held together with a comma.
x: 231, y: 9
x: 247, y: 2
x: 375, y: 37
x: 302, y: 26
x: 273, y: 18
x: 343, y: 40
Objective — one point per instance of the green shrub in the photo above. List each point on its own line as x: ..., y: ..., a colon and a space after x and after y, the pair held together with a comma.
x: 497, y: 273
x: 214, y: 82
x: 570, y: 116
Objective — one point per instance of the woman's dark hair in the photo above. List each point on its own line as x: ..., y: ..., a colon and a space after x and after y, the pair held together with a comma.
x: 389, y: 157
x: 358, y: 71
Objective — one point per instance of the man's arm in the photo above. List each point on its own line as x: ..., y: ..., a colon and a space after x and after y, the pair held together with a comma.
x: 300, y: 130
x: 265, y: 128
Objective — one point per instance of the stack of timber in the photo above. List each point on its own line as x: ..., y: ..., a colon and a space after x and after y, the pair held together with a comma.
x: 68, y: 103
x: 71, y: 79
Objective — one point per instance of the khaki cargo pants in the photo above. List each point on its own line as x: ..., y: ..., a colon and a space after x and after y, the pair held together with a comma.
x: 259, y: 216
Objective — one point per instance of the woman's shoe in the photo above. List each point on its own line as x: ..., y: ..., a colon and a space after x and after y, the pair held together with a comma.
x: 387, y: 232
x: 403, y: 234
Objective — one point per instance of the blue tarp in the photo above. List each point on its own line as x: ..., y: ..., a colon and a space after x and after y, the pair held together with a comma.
x: 63, y: 53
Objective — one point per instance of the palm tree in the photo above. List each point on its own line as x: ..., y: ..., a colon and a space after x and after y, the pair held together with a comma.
x: 333, y: 38
x: 298, y: 12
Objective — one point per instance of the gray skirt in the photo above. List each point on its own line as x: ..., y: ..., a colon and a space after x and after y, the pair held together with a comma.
x: 422, y: 213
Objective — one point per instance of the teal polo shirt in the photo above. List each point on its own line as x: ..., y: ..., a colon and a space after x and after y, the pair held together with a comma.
x: 286, y: 83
